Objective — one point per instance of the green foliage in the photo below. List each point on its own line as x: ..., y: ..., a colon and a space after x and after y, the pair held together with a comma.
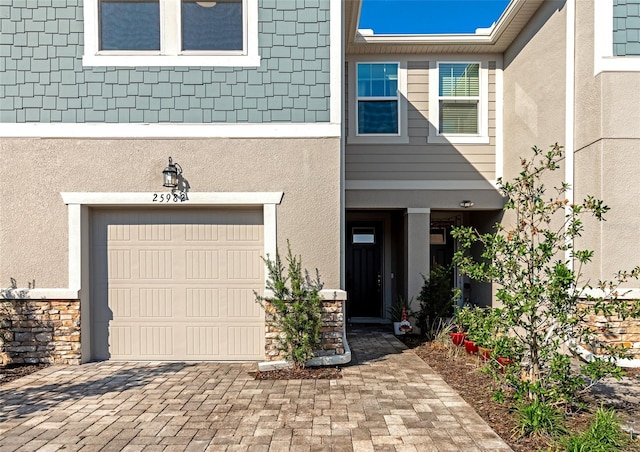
x: 537, y: 417
x: 480, y: 324
x: 436, y: 298
x: 539, y: 280
x: 295, y: 307
x: 603, y: 435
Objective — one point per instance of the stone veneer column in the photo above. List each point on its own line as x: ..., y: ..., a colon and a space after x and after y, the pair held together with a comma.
x: 418, y: 250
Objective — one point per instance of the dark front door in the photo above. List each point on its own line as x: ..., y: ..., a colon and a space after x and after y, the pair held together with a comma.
x: 364, y: 269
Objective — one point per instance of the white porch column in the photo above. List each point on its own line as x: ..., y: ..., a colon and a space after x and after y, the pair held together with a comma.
x: 418, y: 250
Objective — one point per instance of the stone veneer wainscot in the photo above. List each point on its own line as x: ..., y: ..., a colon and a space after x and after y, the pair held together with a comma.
x: 44, y: 331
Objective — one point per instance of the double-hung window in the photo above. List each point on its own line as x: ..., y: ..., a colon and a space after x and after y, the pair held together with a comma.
x: 458, y: 102
x: 378, y: 101
x: 171, y: 32
x: 459, y: 98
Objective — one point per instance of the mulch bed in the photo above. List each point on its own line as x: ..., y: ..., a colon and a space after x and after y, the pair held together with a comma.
x: 12, y: 372
x: 462, y: 373
x: 308, y: 373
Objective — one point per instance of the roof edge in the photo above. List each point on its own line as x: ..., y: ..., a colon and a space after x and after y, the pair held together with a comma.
x: 486, y: 36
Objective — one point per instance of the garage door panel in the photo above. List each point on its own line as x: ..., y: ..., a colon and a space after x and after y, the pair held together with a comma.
x: 244, y: 264
x: 119, y: 233
x: 203, y: 341
x: 203, y: 303
x: 156, y: 302
x: 202, y: 264
x: 119, y: 304
x: 241, y: 303
x: 243, y: 233
x: 121, y: 341
x: 155, y: 264
x: 156, y: 341
x: 154, y: 232
x: 119, y: 264
x: 201, y: 232
x: 243, y: 340
x: 177, y: 285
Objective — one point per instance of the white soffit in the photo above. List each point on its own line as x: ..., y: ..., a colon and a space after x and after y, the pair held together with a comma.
x: 496, y: 39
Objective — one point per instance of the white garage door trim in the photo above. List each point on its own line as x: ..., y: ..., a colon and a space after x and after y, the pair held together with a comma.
x: 78, y: 210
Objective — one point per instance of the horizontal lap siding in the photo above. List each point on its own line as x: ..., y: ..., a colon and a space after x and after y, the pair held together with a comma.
x: 419, y: 160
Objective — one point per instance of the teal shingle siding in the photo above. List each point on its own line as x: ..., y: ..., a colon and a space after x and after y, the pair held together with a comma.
x: 626, y: 27
x: 41, y: 48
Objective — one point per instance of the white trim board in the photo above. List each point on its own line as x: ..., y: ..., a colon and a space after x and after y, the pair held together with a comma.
x: 170, y: 130
x: 198, y: 199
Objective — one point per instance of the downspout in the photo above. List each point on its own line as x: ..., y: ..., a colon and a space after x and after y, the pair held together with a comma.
x: 569, y: 138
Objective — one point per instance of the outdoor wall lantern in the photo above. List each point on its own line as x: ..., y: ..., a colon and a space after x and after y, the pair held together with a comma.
x: 170, y: 174
x: 466, y: 204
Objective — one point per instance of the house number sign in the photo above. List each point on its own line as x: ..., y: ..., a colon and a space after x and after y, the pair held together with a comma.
x: 169, y: 197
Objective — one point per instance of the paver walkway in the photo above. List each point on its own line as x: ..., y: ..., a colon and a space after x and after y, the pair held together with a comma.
x: 387, y: 400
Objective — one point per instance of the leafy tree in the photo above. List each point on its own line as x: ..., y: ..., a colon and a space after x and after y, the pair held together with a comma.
x: 546, y: 300
x: 294, y: 308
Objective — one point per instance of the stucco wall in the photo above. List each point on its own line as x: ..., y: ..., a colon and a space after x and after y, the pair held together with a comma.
x: 607, y: 139
x: 34, y: 227
x: 534, y: 81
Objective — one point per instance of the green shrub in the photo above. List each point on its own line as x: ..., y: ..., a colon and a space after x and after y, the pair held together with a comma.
x: 295, y: 307
x: 603, y: 435
x: 537, y: 417
x: 436, y: 298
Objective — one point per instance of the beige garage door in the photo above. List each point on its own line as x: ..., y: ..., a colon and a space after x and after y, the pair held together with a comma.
x: 177, y: 284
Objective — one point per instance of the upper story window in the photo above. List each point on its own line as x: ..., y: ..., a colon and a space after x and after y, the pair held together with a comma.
x: 377, y: 99
x: 171, y: 33
x: 458, y: 102
x: 616, y: 36
x: 459, y: 97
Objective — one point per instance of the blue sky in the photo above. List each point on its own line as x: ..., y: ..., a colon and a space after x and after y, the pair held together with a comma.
x: 429, y: 16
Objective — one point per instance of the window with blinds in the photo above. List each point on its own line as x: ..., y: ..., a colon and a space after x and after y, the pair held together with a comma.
x: 459, y: 97
x: 377, y: 98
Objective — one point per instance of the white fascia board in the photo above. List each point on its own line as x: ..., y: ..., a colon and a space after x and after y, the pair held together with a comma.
x: 197, y: 199
x: 459, y: 39
x: 104, y: 130
x: 497, y: 29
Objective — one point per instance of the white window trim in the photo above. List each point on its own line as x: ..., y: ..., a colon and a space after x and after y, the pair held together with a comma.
x: 170, y: 54
x: 370, y: 138
x: 482, y: 137
x: 603, y: 59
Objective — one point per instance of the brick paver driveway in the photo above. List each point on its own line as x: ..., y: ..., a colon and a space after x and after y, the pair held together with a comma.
x: 389, y: 399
